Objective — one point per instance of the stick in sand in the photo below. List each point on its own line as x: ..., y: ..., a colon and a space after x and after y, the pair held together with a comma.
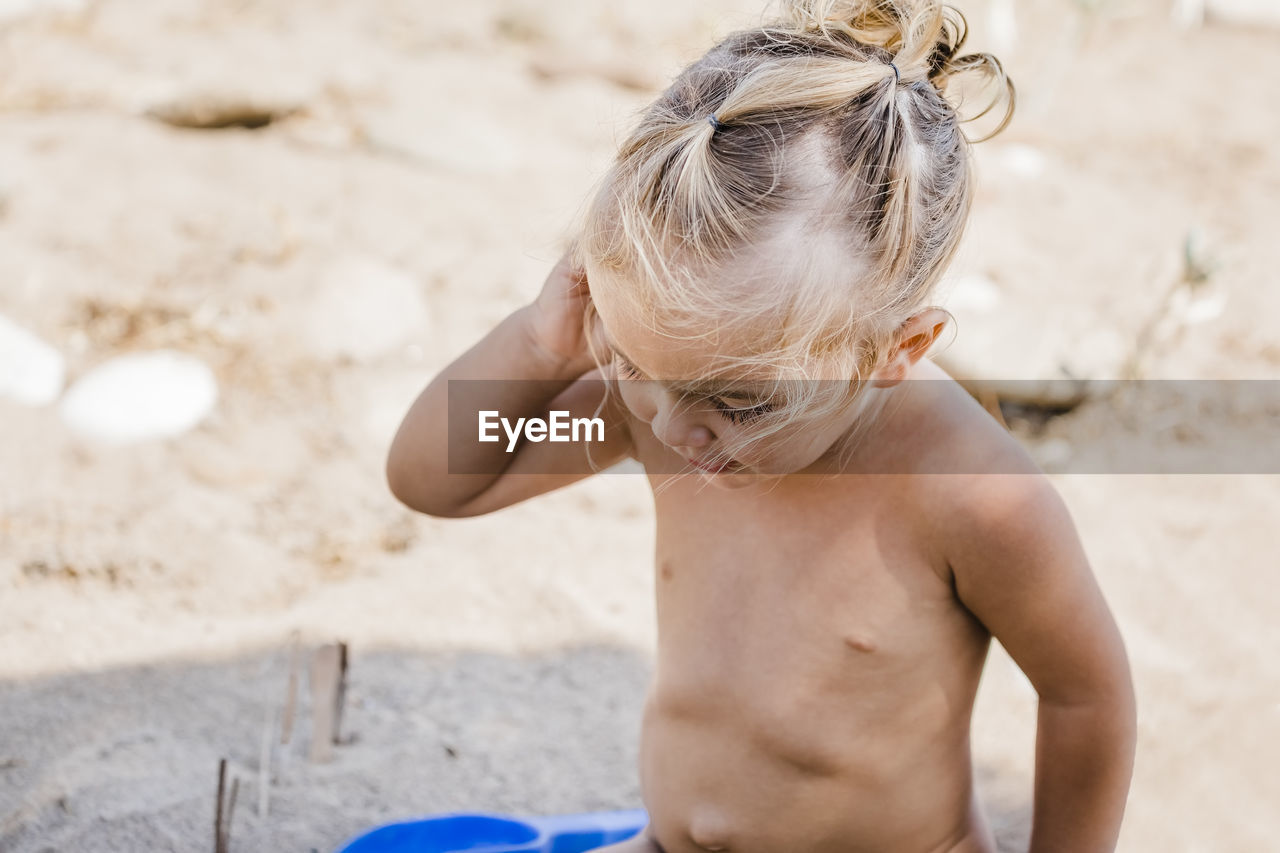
x: 231, y: 810
x: 291, y: 692
x: 218, y: 846
x: 326, y: 697
x: 264, y: 761
x: 222, y: 817
x: 339, y: 701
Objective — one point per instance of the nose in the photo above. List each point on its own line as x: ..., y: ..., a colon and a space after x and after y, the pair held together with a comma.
x: 680, y: 429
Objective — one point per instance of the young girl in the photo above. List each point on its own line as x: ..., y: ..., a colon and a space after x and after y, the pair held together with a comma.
x: 742, y: 307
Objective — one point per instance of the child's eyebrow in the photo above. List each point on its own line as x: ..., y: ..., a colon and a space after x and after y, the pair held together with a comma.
x: 695, y: 389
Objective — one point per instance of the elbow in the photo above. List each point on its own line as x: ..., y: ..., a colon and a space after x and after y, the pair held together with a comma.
x: 1110, y: 713
x: 409, y: 489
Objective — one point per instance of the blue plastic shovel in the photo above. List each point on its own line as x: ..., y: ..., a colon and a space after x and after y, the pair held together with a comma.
x: 494, y: 833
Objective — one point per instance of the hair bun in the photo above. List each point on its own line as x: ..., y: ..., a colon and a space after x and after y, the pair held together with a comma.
x: 918, y: 36
x: 869, y: 22
x: 953, y: 33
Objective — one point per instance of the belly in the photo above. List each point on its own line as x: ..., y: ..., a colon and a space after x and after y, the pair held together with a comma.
x: 742, y: 778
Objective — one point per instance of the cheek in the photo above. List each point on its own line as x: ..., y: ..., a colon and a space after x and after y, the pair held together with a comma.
x: 793, y: 446
x: 741, y: 443
x: 637, y: 400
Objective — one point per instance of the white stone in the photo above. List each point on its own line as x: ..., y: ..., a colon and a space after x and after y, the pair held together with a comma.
x: 1025, y: 161
x: 363, y: 309
x: 1015, y: 159
x: 17, y: 8
x: 1188, y: 13
x: 1255, y: 12
x: 474, y: 144
x: 31, y: 371
x: 1201, y: 305
x: 1053, y: 454
x: 1015, y: 355
x: 141, y: 396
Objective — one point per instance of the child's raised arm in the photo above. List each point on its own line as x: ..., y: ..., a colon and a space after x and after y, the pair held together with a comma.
x: 542, y: 341
x: 1018, y: 566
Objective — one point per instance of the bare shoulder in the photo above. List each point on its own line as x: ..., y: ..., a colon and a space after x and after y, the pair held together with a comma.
x: 973, y: 482
x: 1012, y: 553
x: 950, y: 433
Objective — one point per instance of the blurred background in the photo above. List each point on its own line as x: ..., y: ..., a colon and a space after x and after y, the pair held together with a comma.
x: 238, y: 236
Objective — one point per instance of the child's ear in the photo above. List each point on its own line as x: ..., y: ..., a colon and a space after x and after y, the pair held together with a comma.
x: 916, y: 335
x: 593, y: 327
x: 922, y: 331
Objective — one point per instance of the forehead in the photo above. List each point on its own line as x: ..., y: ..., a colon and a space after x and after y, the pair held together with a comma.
x: 703, y: 355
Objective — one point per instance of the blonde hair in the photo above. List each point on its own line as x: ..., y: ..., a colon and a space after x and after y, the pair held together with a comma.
x: 828, y: 130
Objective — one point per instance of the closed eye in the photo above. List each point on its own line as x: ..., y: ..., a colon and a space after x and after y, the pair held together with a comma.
x: 740, y: 414
x: 735, y: 412
x: 625, y: 369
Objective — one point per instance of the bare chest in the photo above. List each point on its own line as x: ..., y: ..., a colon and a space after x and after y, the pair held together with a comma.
x: 819, y: 589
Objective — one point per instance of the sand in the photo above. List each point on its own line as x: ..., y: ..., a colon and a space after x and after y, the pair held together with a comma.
x: 429, y: 157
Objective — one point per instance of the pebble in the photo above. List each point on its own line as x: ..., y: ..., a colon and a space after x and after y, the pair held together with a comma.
x: 141, y: 396
x: 1024, y: 161
x: 32, y: 372
x: 1200, y: 305
x: 1195, y: 13
x: 1016, y: 159
x: 10, y: 9
x: 1265, y: 13
x: 1053, y: 454
x: 363, y: 309
x: 1015, y: 353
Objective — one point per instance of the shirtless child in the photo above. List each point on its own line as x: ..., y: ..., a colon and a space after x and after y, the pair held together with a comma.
x: 841, y: 529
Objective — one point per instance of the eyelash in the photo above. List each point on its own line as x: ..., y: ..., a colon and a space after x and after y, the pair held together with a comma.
x: 740, y: 416
x: 627, y: 370
x: 734, y: 415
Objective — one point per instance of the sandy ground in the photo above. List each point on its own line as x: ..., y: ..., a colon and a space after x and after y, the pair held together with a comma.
x: 415, y: 170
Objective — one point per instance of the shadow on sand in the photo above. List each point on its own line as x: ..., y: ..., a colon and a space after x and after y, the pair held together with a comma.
x: 126, y: 759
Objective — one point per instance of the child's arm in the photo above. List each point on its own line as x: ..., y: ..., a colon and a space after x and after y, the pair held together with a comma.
x: 1018, y: 565
x: 542, y: 341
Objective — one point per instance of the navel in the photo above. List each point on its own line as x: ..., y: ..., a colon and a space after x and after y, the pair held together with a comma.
x: 665, y: 571
x: 858, y: 643
x: 709, y: 831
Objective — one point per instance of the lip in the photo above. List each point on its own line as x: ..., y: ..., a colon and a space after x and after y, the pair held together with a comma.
x: 728, y: 465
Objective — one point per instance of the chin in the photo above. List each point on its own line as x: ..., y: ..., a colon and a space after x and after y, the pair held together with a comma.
x: 728, y: 482
x: 741, y: 479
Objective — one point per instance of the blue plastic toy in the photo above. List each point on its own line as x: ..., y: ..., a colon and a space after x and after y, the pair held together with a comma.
x: 493, y: 833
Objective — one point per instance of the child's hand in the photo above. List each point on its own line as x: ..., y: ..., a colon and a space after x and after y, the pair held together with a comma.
x: 556, y: 318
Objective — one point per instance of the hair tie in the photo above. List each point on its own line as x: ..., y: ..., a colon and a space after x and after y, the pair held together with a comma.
x: 897, y: 77
x: 716, y: 124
